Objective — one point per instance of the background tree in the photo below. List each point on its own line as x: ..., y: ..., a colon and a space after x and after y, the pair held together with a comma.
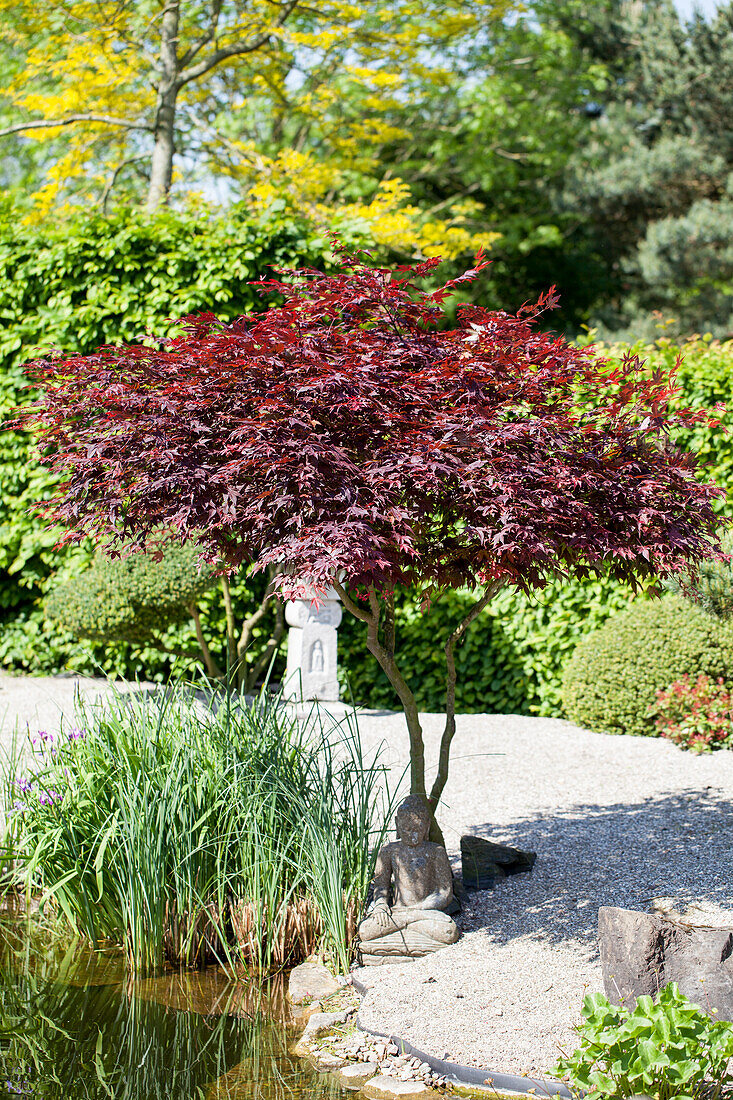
x: 654, y: 175
x: 207, y: 84
x: 138, y: 598
x: 343, y: 439
x: 133, y: 599
x: 492, y: 134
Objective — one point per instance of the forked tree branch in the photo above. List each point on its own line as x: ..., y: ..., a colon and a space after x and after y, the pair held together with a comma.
x: 389, y: 667
x: 450, y: 692
x: 236, y: 49
x: 271, y: 647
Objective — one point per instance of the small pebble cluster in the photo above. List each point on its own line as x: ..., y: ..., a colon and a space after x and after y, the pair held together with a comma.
x: 386, y: 1058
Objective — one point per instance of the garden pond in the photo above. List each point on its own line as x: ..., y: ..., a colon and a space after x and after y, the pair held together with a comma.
x: 73, y: 1025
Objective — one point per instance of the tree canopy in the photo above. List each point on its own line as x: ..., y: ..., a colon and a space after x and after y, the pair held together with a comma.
x: 346, y: 439
x: 654, y: 177
x: 214, y: 86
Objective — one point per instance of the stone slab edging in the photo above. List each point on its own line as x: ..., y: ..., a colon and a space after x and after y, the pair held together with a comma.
x: 472, y: 1076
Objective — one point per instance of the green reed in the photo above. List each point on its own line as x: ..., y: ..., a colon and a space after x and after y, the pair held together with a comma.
x: 201, y: 831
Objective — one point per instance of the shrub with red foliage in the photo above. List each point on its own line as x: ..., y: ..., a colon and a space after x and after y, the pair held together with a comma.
x: 697, y: 716
x: 343, y: 435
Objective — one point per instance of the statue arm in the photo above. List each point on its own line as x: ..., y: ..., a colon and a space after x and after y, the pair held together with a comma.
x: 379, y: 918
x: 383, y: 880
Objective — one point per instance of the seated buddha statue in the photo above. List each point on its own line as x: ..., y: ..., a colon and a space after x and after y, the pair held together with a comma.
x: 413, y: 886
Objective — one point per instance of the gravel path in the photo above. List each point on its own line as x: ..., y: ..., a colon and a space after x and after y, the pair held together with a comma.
x: 614, y: 820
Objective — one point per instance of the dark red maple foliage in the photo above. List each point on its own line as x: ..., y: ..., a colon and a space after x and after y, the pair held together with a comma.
x: 347, y: 438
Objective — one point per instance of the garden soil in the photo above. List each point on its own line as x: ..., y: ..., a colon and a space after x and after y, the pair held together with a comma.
x: 625, y: 821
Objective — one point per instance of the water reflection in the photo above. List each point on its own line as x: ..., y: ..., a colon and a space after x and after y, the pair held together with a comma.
x: 71, y: 1026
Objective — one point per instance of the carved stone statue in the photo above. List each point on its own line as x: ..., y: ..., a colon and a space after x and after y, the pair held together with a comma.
x: 413, y: 887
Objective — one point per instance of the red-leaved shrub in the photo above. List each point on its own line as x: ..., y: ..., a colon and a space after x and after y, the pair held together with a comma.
x: 697, y: 715
x: 346, y: 437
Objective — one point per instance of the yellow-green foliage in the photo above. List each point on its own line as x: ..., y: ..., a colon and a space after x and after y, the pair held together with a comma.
x: 130, y: 599
x: 614, y: 674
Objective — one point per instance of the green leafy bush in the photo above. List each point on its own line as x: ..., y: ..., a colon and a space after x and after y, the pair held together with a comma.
x: 130, y: 599
x: 696, y: 715
x: 510, y: 660
x: 611, y: 681
x: 668, y: 1049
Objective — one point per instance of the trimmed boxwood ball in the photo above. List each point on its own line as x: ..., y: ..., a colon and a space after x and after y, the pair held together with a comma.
x: 613, y: 676
x: 130, y: 599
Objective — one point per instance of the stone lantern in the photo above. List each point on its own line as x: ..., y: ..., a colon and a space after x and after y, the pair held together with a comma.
x: 312, y: 653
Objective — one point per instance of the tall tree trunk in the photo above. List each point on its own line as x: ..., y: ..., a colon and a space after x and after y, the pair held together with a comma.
x: 161, y: 171
x: 384, y: 654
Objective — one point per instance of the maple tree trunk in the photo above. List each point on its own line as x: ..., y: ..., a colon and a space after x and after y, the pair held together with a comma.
x: 384, y: 654
x: 161, y: 171
x: 449, y: 730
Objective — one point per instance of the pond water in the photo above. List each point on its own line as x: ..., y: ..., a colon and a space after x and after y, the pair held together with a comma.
x: 73, y: 1027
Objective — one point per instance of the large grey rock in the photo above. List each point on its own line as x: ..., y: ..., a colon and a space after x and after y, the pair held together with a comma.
x: 483, y: 862
x: 642, y: 952
x: 311, y: 981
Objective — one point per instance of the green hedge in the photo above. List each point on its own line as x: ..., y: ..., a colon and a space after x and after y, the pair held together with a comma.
x: 614, y: 674
x: 77, y: 285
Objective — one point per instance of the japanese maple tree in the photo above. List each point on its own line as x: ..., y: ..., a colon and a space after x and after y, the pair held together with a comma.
x: 345, y: 437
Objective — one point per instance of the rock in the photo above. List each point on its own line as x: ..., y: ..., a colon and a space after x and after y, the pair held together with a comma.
x: 310, y: 982
x: 642, y: 952
x: 326, y: 1060
x: 483, y: 862
x: 391, y: 1088
x: 354, y: 1076
x: 321, y: 1022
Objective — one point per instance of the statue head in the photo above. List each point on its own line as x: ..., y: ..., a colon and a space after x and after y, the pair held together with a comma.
x: 413, y: 820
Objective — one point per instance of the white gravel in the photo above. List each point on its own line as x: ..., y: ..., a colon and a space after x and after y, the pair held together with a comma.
x: 614, y: 820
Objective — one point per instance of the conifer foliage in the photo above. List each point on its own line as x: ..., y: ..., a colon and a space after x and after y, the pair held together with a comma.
x: 348, y: 438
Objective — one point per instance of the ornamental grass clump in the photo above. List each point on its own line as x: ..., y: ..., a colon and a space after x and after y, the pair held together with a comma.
x: 665, y: 1049
x: 697, y: 715
x: 199, y: 833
